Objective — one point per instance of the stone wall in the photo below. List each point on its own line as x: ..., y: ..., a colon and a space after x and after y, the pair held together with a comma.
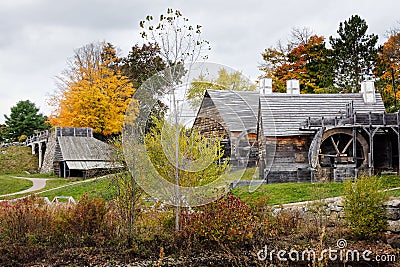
x: 12, y: 144
x: 47, y: 166
x: 334, y: 208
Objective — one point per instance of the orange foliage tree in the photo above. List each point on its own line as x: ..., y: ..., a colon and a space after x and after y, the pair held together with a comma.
x: 388, y: 72
x: 93, y: 92
x: 306, y: 60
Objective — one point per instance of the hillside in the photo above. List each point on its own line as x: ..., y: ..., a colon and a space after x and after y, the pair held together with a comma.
x: 17, y: 159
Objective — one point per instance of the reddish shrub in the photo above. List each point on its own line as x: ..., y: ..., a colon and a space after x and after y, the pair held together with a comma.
x: 228, y: 220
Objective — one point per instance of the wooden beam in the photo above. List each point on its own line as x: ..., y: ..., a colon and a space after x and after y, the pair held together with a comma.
x: 355, y: 149
x: 347, y: 145
x: 335, y: 146
x: 398, y: 142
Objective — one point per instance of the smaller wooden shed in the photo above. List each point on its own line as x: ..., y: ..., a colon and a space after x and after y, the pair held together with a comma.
x: 78, y: 153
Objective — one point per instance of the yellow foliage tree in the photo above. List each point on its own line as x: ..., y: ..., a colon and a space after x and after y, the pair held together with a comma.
x: 94, y: 93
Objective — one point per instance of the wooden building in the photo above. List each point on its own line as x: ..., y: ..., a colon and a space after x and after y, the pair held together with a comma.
x: 75, y: 152
x: 231, y: 115
x: 304, y: 137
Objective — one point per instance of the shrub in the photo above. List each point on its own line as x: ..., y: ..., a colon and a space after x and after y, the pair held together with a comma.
x: 24, y: 221
x: 363, y: 206
x: 31, y: 221
x: 228, y: 220
x: 22, y: 138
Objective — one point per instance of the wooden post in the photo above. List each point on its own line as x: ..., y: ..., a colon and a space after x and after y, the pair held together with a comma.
x: 65, y: 169
x: 371, y: 145
x: 398, y: 148
x: 40, y: 155
x: 398, y: 142
x: 355, y: 148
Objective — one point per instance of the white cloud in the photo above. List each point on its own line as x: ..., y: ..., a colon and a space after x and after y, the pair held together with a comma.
x: 37, y: 36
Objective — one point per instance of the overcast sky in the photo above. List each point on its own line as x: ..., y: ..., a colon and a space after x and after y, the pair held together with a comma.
x: 37, y: 36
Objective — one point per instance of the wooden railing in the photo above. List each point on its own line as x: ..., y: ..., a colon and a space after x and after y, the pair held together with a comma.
x: 39, y: 137
x: 356, y: 119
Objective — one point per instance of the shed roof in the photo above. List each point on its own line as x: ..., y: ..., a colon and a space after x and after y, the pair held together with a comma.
x: 91, y: 165
x: 84, y: 149
x: 282, y: 114
x: 238, y: 109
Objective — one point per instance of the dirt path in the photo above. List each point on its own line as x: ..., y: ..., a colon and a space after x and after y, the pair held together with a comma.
x: 38, y: 184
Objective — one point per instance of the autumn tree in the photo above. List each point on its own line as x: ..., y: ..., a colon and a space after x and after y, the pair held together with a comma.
x: 388, y: 72
x: 198, y: 155
x: 93, y: 91
x: 305, y: 58
x: 354, y: 53
x: 24, y: 119
x: 225, y: 81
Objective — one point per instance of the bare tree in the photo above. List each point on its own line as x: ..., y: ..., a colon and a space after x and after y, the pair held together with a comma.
x: 393, y: 30
x: 300, y: 36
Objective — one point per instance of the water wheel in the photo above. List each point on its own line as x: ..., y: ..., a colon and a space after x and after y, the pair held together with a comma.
x: 337, y: 148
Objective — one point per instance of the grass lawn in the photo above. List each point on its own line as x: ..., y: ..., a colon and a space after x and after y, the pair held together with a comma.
x: 296, y: 192
x: 17, y: 159
x: 289, y: 192
x: 100, y: 187
x: 52, y: 182
x: 276, y: 193
x: 9, y: 184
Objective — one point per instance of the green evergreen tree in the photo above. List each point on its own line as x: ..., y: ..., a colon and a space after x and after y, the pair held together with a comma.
x: 24, y: 120
x: 3, y: 132
x: 354, y: 53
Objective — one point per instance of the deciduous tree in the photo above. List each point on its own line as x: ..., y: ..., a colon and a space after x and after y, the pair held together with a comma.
x: 388, y: 72
x: 181, y: 45
x: 225, y: 81
x: 142, y: 63
x: 93, y: 92
x: 198, y: 155
x: 304, y: 58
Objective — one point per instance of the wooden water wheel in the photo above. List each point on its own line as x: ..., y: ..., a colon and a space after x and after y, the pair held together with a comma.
x: 337, y: 146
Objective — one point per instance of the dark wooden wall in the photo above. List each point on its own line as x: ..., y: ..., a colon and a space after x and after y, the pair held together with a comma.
x: 209, y: 122
x: 289, y: 160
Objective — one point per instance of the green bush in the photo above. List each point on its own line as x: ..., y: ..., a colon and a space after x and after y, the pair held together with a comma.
x: 363, y: 207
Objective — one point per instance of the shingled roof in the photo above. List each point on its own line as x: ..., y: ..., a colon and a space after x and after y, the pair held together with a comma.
x: 238, y: 109
x: 84, y: 153
x: 282, y: 114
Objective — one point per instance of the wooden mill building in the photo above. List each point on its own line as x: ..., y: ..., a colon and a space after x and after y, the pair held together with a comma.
x: 231, y: 115
x: 304, y: 137
x: 73, y: 152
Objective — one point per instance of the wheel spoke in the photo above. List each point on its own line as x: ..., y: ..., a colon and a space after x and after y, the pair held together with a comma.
x: 335, y: 145
x: 347, y: 145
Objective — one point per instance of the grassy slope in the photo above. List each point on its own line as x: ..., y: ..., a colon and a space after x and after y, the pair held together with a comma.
x: 17, y: 159
x: 289, y: 192
x: 295, y: 192
x: 11, y: 185
x: 100, y: 187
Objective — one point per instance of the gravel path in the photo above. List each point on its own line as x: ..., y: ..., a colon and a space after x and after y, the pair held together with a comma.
x: 38, y: 184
